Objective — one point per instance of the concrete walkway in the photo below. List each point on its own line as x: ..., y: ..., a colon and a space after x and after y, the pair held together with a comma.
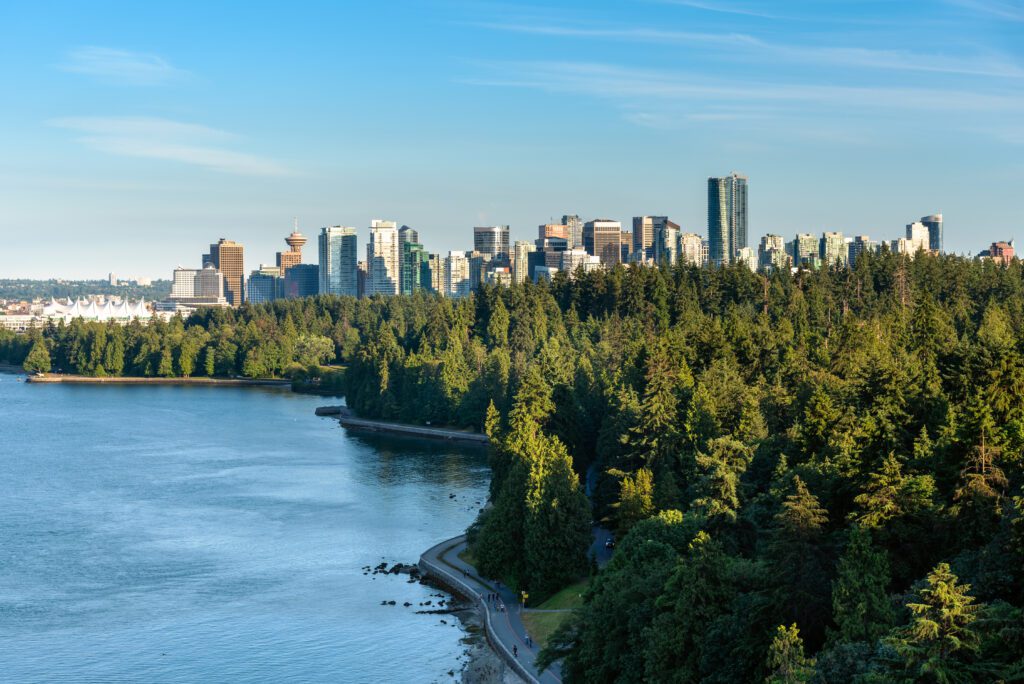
x: 502, y: 620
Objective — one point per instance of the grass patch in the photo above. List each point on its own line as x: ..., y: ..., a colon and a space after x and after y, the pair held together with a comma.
x: 541, y: 626
x: 467, y: 557
x: 570, y: 597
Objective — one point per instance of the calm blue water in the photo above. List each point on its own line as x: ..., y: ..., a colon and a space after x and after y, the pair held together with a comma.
x: 179, y: 534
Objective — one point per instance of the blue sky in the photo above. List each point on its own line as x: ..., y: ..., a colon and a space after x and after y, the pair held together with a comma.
x: 133, y: 134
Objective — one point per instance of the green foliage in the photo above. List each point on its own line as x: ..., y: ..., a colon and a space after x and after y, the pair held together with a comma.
x: 786, y: 661
x: 38, y: 359
x: 860, y: 606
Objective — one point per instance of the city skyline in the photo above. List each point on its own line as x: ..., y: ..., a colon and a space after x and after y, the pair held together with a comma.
x: 136, y: 135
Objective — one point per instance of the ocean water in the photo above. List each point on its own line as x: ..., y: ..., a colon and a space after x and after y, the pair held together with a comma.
x: 206, y: 534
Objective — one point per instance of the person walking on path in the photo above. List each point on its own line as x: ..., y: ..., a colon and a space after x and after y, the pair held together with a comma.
x: 515, y: 651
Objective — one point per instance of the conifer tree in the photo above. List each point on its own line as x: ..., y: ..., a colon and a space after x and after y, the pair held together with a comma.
x: 786, y: 661
x: 860, y: 606
x: 38, y: 359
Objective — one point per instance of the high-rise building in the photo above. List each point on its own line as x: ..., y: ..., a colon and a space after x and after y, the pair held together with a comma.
x: 918, y: 237
x: 666, y: 242
x: 228, y: 257
x: 806, y: 250
x: 293, y: 256
x: 625, y: 246
x: 409, y: 272
x: 383, y: 260
x: 435, y: 273
x: 691, y: 249
x: 934, y: 225
x: 209, y: 284
x: 573, y: 259
x: 575, y: 225
x: 771, y: 253
x: 549, y: 251
x: 302, y: 280
x: 748, y: 257
x: 520, y: 261
x: 859, y: 245
x: 646, y: 230
x: 554, y: 230
x: 727, y: 217
x: 456, y: 275
x: 264, y: 285
x: 184, y: 284
x: 339, y: 258
x: 602, y: 238
x: 492, y: 241
x: 832, y: 249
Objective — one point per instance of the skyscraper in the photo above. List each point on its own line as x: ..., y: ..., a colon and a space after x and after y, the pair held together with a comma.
x: 339, y: 258
x: 265, y: 285
x: 772, y: 252
x: 383, y: 260
x: 227, y: 257
x: 520, y: 261
x: 602, y: 238
x: 646, y: 230
x: 575, y: 225
x: 727, y: 217
x: 934, y: 225
x: 554, y: 230
x: 302, y: 280
x: 293, y: 256
x: 492, y: 241
x: 412, y: 254
x: 691, y: 249
x: 456, y: 275
x: 833, y: 249
x: 918, y: 237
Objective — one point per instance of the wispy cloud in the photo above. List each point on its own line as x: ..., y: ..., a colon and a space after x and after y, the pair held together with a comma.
x: 1002, y: 9
x: 696, y: 94
x: 721, y: 7
x: 121, y: 66
x: 155, y: 138
x: 739, y: 44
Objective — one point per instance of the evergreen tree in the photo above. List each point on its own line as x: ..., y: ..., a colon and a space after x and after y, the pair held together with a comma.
x: 860, y: 606
x: 786, y: 661
x: 38, y: 359
x: 941, y: 641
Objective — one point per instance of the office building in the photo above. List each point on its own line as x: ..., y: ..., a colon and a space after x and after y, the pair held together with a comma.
x: 293, y: 256
x: 183, y: 283
x: 934, y: 225
x: 832, y: 249
x: 665, y: 248
x: 339, y: 258
x: 691, y: 249
x: 573, y: 259
x: 302, y: 280
x: 492, y: 241
x: 549, y: 250
x: 383, y: 260
x: 456, y: 275
x: 478, y: 265
x: 264, y: 285
x: 575, y: 225
x: 554, y: 230
x: 603, y: 238
x: 520, y: 261
x: 648, y: 231
x: 727, y: 217
x: 228, y: 257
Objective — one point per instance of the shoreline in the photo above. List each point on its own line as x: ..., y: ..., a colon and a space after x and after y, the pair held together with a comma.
x: 349, y: 421
x: 432, y: 564
x: 56, y: 378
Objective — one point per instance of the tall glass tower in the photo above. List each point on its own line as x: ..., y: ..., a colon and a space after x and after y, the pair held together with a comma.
x: 727, y: 217
x: 934, y: 225
x: 338, y: 261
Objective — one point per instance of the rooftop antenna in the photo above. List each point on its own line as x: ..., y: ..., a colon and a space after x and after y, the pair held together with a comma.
x: 295, y: 223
